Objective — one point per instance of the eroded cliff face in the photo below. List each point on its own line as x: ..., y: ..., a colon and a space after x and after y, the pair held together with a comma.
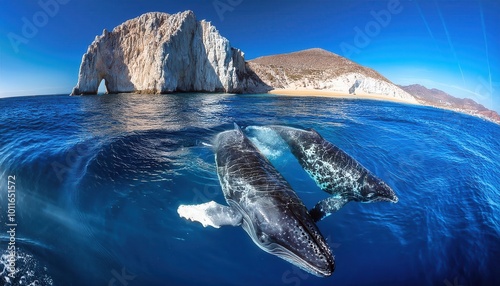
x: 162, y: 53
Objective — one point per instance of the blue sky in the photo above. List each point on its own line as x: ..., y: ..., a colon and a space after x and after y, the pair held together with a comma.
x: 452, y: 45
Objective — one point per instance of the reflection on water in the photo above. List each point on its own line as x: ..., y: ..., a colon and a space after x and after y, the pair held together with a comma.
x: 123, y: 113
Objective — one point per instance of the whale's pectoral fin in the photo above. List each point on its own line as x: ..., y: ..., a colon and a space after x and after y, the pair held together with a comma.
x: 326, y: 207
x: 211, y: 213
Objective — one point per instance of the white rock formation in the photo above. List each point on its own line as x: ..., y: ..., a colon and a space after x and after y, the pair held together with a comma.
x: 162, y: 53
x: 355, y: 83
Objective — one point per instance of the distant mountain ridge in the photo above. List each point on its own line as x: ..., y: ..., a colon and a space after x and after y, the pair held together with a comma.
x: 441, y: 99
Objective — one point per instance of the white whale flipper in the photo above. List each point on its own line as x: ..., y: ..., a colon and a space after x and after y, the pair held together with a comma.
x: 211, y: 213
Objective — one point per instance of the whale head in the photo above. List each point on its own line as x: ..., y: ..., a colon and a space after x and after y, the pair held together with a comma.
x: 375, y: 190
x: 290, y: 233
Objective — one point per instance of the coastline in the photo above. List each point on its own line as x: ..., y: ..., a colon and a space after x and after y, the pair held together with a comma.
x: 336, y: 94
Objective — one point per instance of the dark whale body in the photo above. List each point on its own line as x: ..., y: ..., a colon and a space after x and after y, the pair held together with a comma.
x: 334, y: 171
x: 264, y: 204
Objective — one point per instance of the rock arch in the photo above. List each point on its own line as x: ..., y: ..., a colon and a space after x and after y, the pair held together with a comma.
x: 162, y: 53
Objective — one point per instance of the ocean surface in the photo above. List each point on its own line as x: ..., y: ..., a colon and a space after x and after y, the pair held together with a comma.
x: 98, y: 180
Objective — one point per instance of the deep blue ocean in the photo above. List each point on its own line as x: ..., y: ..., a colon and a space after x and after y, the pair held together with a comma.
x: 98, y: 180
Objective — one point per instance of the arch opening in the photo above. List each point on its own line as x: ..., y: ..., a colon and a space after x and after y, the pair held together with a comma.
x: 102, y: 89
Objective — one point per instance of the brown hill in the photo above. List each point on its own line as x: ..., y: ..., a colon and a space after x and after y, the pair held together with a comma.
x: 315, y: 60
x: 320, y: 70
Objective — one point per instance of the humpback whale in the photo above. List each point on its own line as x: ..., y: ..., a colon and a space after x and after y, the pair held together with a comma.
x: 334, y: 171
x: 264, y: 204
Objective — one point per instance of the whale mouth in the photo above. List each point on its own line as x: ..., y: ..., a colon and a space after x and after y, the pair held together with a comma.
x: 376, y: 190
x: 290, y: 256
x: 393, y: 199
x: 315, y: 257
x: 321, y: 267
x: 308, y: 252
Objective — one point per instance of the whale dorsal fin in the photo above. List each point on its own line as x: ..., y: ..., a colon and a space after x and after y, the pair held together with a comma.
x: 237, y: 128
x: 315, y: 132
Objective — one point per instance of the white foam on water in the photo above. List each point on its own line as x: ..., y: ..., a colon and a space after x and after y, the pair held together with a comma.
x: 206, y: 144
x: 28, y: 270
